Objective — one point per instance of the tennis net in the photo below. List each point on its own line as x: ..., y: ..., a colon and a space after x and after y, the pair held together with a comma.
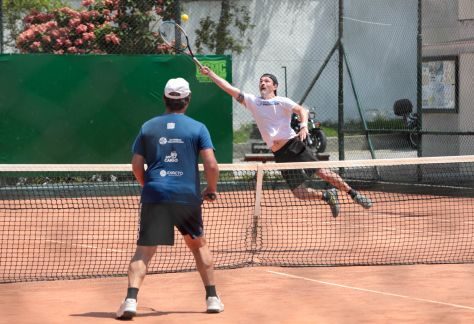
x: 80, y: 221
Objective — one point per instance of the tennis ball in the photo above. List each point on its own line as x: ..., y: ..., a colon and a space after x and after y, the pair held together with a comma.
x: 184, y: 17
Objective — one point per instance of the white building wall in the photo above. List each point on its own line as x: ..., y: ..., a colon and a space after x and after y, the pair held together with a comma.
x: 296, y: 36
x: 289, y: 35
x: 446, y: 31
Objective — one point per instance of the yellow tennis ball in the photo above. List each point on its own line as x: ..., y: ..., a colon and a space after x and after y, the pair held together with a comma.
x: 184, y: 17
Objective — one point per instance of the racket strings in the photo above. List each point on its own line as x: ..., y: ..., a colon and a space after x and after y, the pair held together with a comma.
x: 173, y: 36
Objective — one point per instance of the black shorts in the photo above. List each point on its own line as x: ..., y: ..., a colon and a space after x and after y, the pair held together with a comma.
x: 157, y: 222
x: 295, y: 151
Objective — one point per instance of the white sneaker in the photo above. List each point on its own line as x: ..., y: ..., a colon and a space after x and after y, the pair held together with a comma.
x: 214, y: 305
x: 128, y: 309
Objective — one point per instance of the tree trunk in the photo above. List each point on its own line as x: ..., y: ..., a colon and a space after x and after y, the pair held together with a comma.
x: 222, y: 33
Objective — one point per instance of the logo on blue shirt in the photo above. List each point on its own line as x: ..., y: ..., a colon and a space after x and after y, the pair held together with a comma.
x: 172, y: 158
x: 164, y: 140
x: 165, y: 173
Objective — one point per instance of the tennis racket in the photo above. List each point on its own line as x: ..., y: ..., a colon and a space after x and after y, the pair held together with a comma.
x: 175, y: 36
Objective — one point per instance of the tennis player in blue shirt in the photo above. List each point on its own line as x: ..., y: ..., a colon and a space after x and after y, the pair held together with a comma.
x: 170, y: 145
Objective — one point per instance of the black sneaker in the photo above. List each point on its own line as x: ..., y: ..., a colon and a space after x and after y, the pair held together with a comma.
x: 330, y: 196
x: 362, y: 200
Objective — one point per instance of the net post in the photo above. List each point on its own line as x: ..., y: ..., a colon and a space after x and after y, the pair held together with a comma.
x: 257, y: 210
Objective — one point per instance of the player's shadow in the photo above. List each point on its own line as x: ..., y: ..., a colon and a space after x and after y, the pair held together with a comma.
x: 142, y: 312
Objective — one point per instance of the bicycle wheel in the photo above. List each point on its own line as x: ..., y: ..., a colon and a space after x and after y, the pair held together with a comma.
x: 415, y: 139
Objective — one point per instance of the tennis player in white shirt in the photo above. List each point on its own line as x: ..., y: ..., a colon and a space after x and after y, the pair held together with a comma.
x: 272, y: 114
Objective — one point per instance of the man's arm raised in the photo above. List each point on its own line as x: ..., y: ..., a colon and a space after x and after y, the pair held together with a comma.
x: 223, y: 84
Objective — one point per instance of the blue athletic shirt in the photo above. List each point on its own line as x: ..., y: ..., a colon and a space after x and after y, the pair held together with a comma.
x: 170, y: 145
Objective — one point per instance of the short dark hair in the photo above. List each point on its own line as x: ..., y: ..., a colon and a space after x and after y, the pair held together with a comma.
x: 176, y: 104
x: 271, y: 76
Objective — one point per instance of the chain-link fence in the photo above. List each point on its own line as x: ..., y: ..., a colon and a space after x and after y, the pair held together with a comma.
x: 360, y: 66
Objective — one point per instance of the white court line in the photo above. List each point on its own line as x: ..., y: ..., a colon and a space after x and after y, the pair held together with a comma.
x: 372, y: 291
x: 86, y: 246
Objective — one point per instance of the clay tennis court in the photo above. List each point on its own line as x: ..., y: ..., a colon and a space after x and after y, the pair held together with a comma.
x: 350, y: 294
x: 380, y: 294
x: 407, y: 259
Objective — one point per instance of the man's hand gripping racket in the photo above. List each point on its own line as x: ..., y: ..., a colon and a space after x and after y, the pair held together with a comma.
x: 209, y: 195
x: 174, y: 36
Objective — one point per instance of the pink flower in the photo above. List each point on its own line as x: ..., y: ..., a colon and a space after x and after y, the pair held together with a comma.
x: 28, y: 19
x: 112, y: 38
x: 78, y: 42
x: 74, y: 22
x: 55, y: 33
x: 21, y: 39
x: 163, y: 48
x: 72, y: 50
x: 27, y: 35
x: 109, y: 3
x: 43, y: 17
x: 97, y: 51
x: 64, y: 31
x: 87, y: 3
x: 35, y: 45
x: 61, y: 51
x: 81, y: 29
x: 85, y: 15
x: 94, y: 13
x: 70, y: 12
x: 88, y: 36
x: 52, y: 24
x: 46, y: 39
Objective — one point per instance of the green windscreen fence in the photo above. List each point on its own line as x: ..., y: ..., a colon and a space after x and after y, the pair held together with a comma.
x: 89, y: 109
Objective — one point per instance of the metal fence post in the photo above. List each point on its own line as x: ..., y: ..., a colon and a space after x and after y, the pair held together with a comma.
x: 1, y: 26
x: 177, y: 19
x: 340, y: 128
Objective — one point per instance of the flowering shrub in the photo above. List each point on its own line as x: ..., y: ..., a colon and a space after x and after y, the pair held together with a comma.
x: 102, y: 26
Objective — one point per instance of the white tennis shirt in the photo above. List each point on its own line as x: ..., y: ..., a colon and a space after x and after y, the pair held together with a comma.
x: 272, y: 116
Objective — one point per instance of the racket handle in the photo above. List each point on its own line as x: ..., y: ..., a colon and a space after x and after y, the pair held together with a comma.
x: 211, y: 196
x: 197, y: 62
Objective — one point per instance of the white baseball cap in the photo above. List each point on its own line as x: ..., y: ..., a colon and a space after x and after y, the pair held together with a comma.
x: 177, y: 88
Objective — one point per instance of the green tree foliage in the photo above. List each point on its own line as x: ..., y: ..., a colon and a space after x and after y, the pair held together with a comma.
x: 134, y: 19
x: 226, y: 35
